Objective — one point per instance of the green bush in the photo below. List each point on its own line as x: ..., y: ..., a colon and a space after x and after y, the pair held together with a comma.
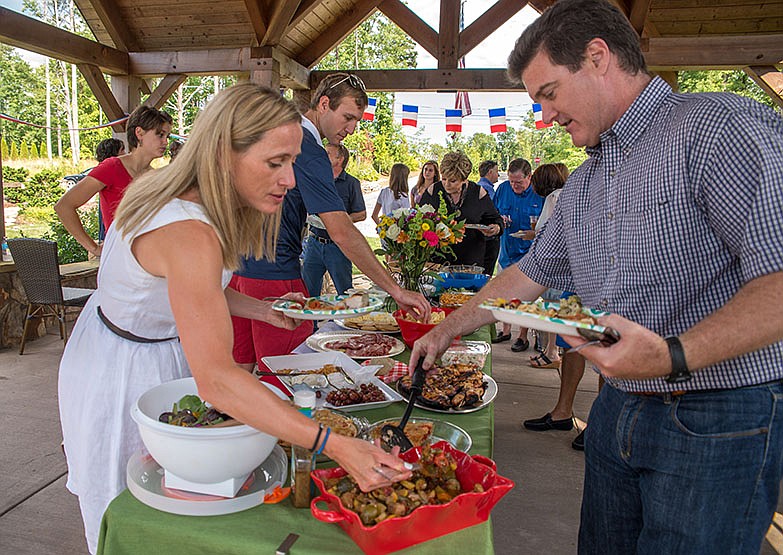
x: 37, y: 214
x: 68, y: 249
x: 43, y: 189
x: 19, y: 175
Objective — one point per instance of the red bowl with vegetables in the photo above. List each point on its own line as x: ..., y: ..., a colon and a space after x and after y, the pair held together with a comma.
x: 427, y: 521
x: 412, y: 330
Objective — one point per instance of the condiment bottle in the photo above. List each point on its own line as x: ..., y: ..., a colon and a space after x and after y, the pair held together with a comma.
x: 302, y: 460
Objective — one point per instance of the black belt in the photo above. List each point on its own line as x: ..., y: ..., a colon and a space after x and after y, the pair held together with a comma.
x: 128, y: 335
x: 322, y: 240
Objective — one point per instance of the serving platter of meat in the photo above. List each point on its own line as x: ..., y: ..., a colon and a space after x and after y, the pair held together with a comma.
x: 453, y: 388
x: 356, y: 345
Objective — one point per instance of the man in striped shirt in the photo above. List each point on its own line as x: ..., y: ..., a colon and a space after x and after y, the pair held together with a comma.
x: 673, y: 225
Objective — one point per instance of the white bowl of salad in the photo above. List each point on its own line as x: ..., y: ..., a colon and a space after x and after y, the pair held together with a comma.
x: 204, y: 453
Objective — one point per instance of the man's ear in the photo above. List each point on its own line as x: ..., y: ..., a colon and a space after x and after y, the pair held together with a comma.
x: 597, y: 54
x: 323, y: 104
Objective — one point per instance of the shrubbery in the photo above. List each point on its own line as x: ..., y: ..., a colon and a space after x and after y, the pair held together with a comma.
x: 68, y: 249
x: 18, y: 175
x: 42, y: 189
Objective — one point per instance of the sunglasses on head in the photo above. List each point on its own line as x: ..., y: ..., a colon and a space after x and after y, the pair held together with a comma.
x: 353, y: 81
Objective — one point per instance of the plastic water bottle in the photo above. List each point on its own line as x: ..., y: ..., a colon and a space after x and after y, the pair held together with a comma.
x: 6, y: 254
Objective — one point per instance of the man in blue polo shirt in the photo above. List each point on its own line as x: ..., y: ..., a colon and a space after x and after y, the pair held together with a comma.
x: 321, y: 254
x: 336, y: 108
x: 517, y: 203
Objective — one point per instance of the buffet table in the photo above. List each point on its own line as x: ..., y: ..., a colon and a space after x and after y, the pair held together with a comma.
x: 130, y: 527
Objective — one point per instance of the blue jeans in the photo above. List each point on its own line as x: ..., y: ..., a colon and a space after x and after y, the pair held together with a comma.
x: 697, y: 473
x: 320, y: 258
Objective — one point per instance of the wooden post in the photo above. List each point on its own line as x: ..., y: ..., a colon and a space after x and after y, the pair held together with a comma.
x: 265, y: 71
x: 127, y: 92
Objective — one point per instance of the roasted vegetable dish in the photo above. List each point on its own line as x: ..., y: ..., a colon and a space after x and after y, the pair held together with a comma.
x: 192, y: 412
x: 568, y: 309
x: 365, y: 393
x: 434, y: 483
x: 449, y: 387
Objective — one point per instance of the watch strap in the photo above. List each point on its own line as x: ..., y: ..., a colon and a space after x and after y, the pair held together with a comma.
x: 680, y: 372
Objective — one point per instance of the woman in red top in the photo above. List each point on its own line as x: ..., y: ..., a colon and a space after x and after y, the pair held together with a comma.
x: 148, y: 132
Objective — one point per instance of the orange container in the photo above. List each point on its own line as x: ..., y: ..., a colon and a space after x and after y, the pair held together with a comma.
x: 411, y: 331
x: 426, y: 522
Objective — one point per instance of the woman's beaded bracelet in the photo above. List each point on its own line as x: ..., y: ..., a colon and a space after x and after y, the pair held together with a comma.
x: 326, y: 438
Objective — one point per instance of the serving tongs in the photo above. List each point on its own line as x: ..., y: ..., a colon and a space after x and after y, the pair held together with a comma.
x: 395, y: 435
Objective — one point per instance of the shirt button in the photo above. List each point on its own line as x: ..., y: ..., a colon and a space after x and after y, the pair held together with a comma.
x: 611, y: 259
x: 604, y: 302
x: 613, y: 173
x: 609, y: 215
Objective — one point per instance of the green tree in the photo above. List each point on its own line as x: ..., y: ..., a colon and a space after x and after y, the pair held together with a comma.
x: 735, y: 81
x: 18, y: 83
x: 13, y: 154
x: 4, y: 151
x: 24, y: 151
x: 34, y: 152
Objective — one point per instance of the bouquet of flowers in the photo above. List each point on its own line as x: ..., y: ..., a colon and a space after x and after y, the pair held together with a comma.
x: 413, y: 238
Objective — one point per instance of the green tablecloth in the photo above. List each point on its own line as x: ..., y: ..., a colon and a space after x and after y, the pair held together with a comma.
x: 130, y: 527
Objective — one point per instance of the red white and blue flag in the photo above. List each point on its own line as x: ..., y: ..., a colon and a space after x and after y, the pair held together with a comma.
x: 454, y: 121
x: 410, y: 115
x: 369, y: 111
x: 497, y: 120
x: 538, y: 116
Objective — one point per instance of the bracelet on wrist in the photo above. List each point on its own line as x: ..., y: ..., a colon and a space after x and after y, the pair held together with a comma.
x: 326, y: 438
x: 318, y: 437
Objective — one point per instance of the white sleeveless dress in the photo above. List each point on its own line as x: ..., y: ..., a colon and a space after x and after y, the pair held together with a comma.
x: 102, y: 374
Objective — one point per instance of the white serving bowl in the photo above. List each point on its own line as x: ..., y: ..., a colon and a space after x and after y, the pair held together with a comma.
x: 200, y: 455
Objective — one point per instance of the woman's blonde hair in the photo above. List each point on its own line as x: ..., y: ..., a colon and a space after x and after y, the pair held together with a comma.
x: 455, y: 165
x: 236, y: 119
x: 398, y: 180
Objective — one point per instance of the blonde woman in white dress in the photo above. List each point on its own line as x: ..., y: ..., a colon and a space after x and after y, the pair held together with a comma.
x: 178, y: 235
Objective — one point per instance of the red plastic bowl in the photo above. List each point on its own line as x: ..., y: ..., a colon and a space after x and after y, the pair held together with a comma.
x: 426, y: 522
x: 411, y: 331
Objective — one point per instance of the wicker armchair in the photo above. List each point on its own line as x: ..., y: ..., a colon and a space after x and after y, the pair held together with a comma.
x: 38, y: 268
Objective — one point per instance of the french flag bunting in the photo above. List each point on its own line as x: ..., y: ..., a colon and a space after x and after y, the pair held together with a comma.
x: 410, y: 115
x: 538, y: 116
x: 497, y: 120
x: 454, y: 121
x: 369, y: 111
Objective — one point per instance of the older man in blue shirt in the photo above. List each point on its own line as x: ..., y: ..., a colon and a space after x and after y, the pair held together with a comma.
x: 520, y: 206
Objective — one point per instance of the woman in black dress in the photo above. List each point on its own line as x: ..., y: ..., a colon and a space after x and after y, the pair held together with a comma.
x: 472, y: 204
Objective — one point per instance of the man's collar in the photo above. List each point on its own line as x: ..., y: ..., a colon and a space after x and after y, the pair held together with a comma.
x: 638, y: 117
x: 310, y: 126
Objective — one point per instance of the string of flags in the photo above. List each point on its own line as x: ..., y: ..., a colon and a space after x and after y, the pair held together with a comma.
x: 453, y: 117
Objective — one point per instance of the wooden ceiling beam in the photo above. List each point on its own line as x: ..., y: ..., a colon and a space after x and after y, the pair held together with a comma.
x: 279, y: 21
x: 414, y: 26
x: 770, y: 79
x: 100, y: 88
x: 541, y: 5
x: 448, y: 34
x: 292, y: 74
x: 258, y: 10
x: 165, y: 89
x: 420, y: 80
x: 346, y: 22
x: 109, y: 14
x: 637, y: 14
x: 489, y: 22
x: 712, y: 52
x: 304, y: 9
x: 30, y: 34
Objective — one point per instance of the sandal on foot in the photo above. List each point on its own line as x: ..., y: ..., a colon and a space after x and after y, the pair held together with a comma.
x: 543, y: 361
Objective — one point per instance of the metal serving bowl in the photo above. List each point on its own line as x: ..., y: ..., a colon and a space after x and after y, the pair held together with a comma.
x: 441, y: 430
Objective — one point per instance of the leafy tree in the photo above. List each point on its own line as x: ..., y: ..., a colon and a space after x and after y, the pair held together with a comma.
x: 4, y: 151
x: 18, y: 82
x: 34, y: 152
x: 736, y: 81
x: 68, y: 249
x: 14, y: 152
x: 24, y: 151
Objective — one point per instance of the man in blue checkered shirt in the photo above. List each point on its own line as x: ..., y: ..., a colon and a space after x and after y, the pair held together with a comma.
x: 673, y: 225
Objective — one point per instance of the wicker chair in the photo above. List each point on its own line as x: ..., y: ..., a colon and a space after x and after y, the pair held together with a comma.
x: 38, y: 268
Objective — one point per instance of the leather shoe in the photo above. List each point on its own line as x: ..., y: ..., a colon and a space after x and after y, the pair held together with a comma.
x: 546, y: 423
x: 579, y: 441
x: 500, y: 338
x: 520, y: 345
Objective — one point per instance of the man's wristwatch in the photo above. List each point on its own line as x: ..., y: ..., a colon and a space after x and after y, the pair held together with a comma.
x: 680, y: 372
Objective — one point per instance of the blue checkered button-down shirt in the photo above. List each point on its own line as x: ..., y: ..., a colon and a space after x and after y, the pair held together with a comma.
x: 679, y: 205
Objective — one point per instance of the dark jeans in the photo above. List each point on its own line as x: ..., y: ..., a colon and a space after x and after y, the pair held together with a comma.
x: 698, y: 473
x: 319, y: 258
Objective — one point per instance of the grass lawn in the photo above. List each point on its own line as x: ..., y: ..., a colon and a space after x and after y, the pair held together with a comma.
x: 375, y: 243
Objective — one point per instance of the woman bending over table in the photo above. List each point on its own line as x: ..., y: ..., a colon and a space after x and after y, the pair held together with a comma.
x: 148, y: 132
x: 473, y: 204
x: 167, y: 260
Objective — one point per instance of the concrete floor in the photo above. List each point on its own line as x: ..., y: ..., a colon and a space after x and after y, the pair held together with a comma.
x: 38, y: 516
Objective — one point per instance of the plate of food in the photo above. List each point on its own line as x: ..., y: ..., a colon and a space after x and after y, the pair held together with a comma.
x: 374, y: 322
x: 340, y: 422
x: 338, y: 381
x: 567, y: 317
x: 454, y: 298
x: 356, y: 345
x: 329, y: 307
x: 425, y: 431
x: 479, y: 227
x: 453, y: 389
x: 519, y: 234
